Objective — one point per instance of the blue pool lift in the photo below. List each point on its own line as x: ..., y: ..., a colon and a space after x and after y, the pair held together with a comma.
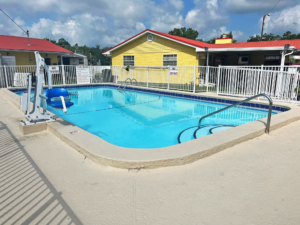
x: 58, y: 98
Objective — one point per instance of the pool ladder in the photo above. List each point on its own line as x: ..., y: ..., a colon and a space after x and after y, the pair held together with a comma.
x: 125, y: 84
x: 239, y: 103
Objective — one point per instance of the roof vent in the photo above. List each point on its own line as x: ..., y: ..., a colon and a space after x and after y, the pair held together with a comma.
x: 150, y: 37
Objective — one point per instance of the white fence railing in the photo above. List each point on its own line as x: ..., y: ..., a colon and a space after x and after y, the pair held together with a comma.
x: 16, y: 76
x: 279, y: 83
x: 184, y: 78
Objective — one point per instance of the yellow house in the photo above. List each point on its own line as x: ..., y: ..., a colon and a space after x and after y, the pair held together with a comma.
x: 18, y: 51
x: 171, y: 60
x: 152, y: 48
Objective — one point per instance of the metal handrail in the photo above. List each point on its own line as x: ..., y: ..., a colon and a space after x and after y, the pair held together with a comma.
x: 124, y: 83
x: 241, y: 102
x: 133, y: 80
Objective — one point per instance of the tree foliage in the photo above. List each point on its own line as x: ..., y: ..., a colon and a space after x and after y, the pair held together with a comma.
x: 186, y: 33
x: 271, y: 37
x: 211, y: 41
x: 93, y: 53
x: 230, y: 35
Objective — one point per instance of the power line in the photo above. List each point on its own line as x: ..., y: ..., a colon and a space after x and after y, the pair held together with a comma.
x: 26, y: 32
x: 274, y: 6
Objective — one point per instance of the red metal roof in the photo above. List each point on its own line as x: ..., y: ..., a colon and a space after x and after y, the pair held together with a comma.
x: 199, y: 44
x: 259, y: 44
x: 195, y: 43
x: 180, y: 39
x: 21, y: 43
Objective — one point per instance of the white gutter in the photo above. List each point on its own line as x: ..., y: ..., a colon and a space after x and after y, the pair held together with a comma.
x: 107, y: 53
x: 13, y: 50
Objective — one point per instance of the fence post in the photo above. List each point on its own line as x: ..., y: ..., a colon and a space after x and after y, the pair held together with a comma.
x: 130, y: 71
x: 116, y: 68
x: 90, y: 73
x: 147, y: 76
x: 63, y: 74
x: 168, y: 77
x: 218, y: 79
x: 207, y: 77
x: 5, y: 75
x: 194, y: 88
x: 261, y: 77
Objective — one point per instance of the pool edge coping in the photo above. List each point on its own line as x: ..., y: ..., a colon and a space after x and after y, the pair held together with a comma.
x: 105, y: 153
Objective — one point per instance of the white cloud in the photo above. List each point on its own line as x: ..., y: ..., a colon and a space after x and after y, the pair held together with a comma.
x: 248, y: 6
x: 140, y: 26
x: 108, y: 22
x: 167, y: 22
x: 285, y: 20
x: 208, y: 18
x: 178, y: 4
x: 239, y: 36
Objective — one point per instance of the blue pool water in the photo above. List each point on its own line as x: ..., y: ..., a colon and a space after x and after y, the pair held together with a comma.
x: 143, y: 120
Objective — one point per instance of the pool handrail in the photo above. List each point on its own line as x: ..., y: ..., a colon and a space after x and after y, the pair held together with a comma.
x: 133, y: 80
x: 124, y: 83
x: 241, y: 102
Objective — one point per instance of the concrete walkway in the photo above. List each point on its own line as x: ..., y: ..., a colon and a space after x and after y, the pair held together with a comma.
x: 44, y: 181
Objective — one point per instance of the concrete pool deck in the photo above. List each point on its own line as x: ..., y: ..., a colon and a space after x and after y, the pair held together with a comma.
x: 105, y: 153
x: 254, y: 182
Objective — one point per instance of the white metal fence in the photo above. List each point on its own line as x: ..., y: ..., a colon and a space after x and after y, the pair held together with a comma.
x: 184, y: 78
x: 16, y: 76
x: 279, y: 83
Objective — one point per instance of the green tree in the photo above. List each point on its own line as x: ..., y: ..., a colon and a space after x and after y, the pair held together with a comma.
x: 211, y: 41
x: 186, y: 33
x: 254, y: 38
x: 271, y: 37
x: 63, y: 43
x: 51, y: 40
x: 287, y: 35
x: 229, y: 35
x: 96, y: 51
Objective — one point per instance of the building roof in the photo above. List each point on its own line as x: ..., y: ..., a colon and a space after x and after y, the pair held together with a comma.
x: 259, y: 45
x: 21, y: 43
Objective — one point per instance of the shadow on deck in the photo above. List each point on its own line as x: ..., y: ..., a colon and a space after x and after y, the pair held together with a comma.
x: 26, y: 195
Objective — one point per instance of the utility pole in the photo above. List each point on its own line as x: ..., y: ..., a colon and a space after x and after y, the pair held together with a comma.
x: 262, y: 29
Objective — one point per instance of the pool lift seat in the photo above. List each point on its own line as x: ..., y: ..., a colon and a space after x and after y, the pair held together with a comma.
x: 59, y: 98
x: 56, y: 97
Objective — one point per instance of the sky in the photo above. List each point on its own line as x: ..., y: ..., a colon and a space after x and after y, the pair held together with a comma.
x: 109, y: 22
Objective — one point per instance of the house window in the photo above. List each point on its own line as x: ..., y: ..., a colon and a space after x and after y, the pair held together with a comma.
x: 128, y: 60
x: 169, y: 60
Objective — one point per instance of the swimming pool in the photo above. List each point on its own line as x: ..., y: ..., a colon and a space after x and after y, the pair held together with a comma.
x: 136, y: 119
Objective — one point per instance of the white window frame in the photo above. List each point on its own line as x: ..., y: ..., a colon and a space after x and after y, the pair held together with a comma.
x: 128, y: 61
x: 171, y: 59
